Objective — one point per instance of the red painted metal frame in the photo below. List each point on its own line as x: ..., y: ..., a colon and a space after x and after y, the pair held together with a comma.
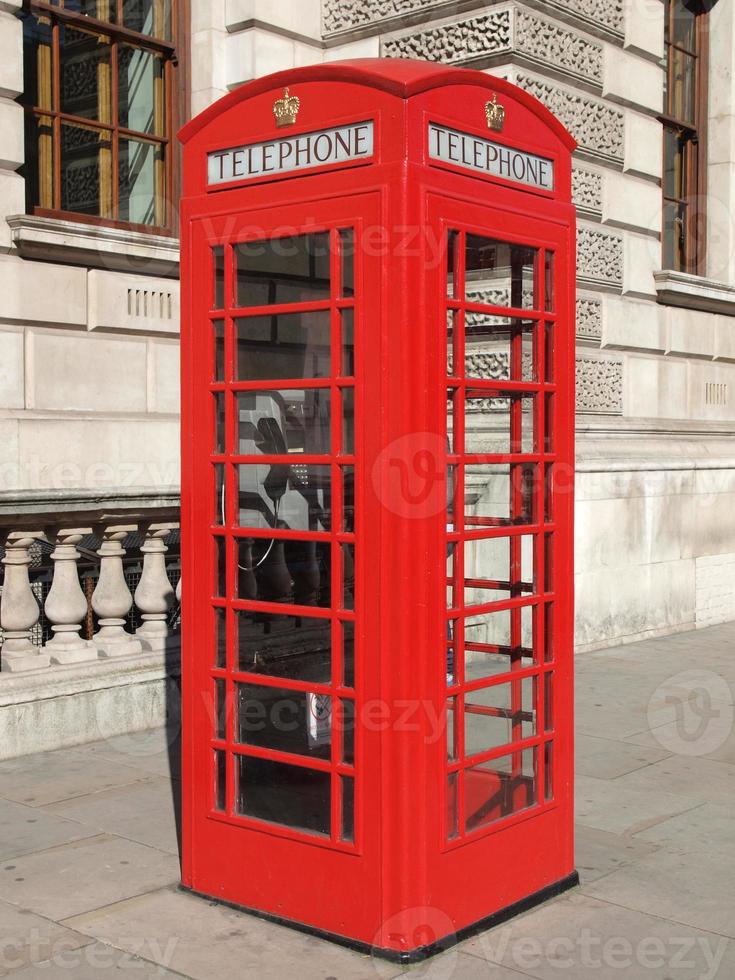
x: 402, y: 883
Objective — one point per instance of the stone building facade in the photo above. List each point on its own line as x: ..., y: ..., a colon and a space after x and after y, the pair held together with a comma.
x: 89, y: 309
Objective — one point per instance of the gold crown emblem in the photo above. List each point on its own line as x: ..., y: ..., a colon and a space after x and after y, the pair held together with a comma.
x: 495, y: 113
x: 286, y: 109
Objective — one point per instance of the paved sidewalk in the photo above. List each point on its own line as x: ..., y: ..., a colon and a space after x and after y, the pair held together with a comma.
x: 89, y: 855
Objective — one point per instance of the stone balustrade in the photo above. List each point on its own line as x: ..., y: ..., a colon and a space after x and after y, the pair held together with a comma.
x: 67, y: 610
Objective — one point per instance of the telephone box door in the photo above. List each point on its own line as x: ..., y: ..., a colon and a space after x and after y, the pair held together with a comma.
x: 280, y: 362
x: 505, y: 297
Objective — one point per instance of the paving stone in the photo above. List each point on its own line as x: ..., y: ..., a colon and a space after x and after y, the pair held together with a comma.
x: 698, y: 780
x: 144, y: 812
x: 598, y: 852
x: 577, y: 937
x: 93, y: 961
x: 607, y: 758
x: 211, y: 939
x: 24, y: 829
x: 51, y: 776
x: 84, y: 875
x: 156, y: 752
x: 694, y: 889
x: 26, y: 938
x: 708, y: 827
x: 604, y: 804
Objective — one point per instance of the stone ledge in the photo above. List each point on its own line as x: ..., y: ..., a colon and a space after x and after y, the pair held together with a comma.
x: 79, y: 243
x: 694, y: 292
x: 60, y: 706
x: 130, y: 503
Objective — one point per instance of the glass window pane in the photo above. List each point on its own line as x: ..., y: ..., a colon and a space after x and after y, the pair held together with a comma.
x: 141, y: 97
x: 37, y: 73
x: 141, y: 182
x: 549, y: 702
x: 674, y: 239
x: 682, y: 30
x: 293, y: 796
x: 498, y: 715
x: 348, y: 653
x: 220, y: 779
x: 220, y: 694
x: 682, y: 81
x: 500, y: 273
x: 452, y: 735
x: 99, y: 9
x: 498, y: 568
x: 490, y: 648
x: 218, y: 399
x: 499, y: 494
x: 499, y: 349
x: 292, y: 571
x: 348, y: 731
x: 348, y: 343
x: 40, y: 168
x: 218, y: 329
x: 278, y: 718
x: 85, y: 74
x: 289, y: 421
x: 285, y: 345
x: 348, y: 576
x: 293, y: 647
x: 499, y: 423
x: 86, y: 171
x: 452, y: 259
x: 674, y: 164
x: 498, y: 788
x: 549, y: 281
x: 549, y: 771
x: 348, y: 421
x: 220, y: 568
x: 347, y: 250
x: 151, y: 17
x: 283, y: 270
x: 220, y: 641
x: 348, y: 808
x: 297, y: 497
x: 348, y: 499
x: 452, y: 806
x: 218, y: 514
x: 218, y: 261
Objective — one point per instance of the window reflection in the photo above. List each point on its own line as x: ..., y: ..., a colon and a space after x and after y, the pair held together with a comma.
x: 500, y: 273
x: 285, y: 345
x: 283, y: 270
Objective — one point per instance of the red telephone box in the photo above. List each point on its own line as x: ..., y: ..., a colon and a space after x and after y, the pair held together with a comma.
x: 377, y: 502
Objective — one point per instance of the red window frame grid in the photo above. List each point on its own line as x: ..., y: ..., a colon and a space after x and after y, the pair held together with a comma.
x: 543, y: 389
x: 337, y: 537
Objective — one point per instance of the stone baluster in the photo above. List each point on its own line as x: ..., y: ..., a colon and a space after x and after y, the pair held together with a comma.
x: 154, y: 594
x: 19, y: 609
x: 66, y: 604
x: 111, y: 599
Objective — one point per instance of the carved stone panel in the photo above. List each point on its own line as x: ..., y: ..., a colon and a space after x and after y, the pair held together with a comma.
x: 343, y: 16
x: 509, y: 31
x: 599, y: 258
x: 589, y: 319
x: 597, y: 127
x: 458, y: 43
x: 599, y: 383
x: 587, y: 191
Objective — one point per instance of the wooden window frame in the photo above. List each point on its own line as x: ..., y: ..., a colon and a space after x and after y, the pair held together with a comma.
x: 695, y: 176
x: 176, y: 111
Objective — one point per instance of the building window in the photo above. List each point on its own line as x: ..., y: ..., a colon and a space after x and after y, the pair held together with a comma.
x: 685, y: 114
x: 99, y: 77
